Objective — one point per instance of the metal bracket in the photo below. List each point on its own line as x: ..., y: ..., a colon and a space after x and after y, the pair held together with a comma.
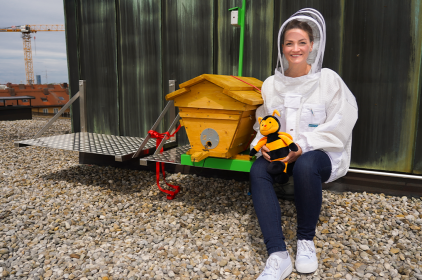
x: 157, y: 122
x: 80, y: 93
x: 171, y: 128
x: 56, y: 116
x: 172, y: 111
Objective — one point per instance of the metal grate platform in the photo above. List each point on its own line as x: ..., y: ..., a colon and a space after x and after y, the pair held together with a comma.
x: 121, y: 147
x: 170, y: 156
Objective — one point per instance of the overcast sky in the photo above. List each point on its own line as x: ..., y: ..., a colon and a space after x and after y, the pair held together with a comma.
x: 50, y: 55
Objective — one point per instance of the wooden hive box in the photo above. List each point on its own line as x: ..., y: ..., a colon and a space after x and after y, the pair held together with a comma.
x: 218, y: 113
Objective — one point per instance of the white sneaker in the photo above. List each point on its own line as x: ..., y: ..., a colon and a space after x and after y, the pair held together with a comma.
x: 306, y: 259
x: 276, y: 268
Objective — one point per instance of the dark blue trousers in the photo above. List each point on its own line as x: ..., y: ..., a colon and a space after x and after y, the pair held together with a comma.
x: 309, y: 171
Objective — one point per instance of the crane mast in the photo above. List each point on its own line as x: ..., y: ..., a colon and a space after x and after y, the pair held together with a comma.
x: 26, y: 31
x: 27, y: 53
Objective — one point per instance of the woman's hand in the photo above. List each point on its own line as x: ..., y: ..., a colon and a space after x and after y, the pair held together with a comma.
x: 265, y: 151
x: 293, y: 156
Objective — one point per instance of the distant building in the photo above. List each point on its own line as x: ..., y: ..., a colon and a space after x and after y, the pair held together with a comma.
x: 49, y: 99
x: 39, y: 79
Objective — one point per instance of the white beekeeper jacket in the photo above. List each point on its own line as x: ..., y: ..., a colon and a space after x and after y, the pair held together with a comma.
x: 317, y: 109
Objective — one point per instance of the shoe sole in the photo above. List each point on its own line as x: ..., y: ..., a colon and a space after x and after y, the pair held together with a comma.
x: 308, y: 268
x: 287, y: 272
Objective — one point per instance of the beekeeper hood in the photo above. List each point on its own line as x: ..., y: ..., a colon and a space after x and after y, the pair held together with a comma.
x: 299, y: 87
x: 315, y: 20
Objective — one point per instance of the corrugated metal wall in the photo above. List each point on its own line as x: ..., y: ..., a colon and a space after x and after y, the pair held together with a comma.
x: 382, y: 70
x: 71, y: 17
x: 139, y: 65
x: 128, y: 50
x: 188, y: 45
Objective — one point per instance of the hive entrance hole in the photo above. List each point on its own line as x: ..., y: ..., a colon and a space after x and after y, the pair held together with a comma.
x: 209, y: 144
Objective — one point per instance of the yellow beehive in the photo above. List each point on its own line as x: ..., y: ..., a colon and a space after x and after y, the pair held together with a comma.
x: 218, y: 113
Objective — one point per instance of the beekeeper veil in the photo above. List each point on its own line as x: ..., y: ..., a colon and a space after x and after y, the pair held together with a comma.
x: 317, y: 23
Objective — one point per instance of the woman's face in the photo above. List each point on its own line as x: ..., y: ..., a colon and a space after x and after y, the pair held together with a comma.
x: 296, y: 46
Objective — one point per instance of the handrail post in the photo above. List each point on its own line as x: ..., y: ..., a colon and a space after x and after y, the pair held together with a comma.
x: 172, y: 111
x: 82, y: 105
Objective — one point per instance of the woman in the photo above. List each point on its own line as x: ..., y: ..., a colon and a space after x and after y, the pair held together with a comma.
x: 319, y: 111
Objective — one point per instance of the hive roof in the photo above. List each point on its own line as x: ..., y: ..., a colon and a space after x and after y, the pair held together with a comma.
x: 232, y: 87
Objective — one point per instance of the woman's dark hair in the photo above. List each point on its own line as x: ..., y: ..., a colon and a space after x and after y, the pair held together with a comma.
x: 296, y: 24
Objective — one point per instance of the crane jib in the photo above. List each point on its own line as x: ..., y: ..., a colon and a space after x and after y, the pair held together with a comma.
x: 26, y: 37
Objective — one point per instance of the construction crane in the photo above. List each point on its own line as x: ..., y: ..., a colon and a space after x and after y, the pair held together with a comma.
x: 26, y: 31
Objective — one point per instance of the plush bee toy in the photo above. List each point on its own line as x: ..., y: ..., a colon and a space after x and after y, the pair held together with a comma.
x: 278, y: 143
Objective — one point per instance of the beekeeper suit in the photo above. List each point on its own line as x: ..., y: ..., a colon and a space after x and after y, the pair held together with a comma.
x: 317, y: 109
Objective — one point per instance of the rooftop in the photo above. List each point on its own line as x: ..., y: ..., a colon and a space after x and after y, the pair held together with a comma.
x: 47, y: 95
x: 64, y: 213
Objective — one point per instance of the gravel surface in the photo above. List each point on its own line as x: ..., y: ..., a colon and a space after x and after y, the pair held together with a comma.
x: 62, y: 220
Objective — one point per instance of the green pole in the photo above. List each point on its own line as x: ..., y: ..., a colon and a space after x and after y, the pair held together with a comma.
x: 241, y: 24
x: 242, y: 36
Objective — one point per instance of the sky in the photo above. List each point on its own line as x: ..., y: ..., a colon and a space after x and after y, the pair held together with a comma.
x: 49, y: 49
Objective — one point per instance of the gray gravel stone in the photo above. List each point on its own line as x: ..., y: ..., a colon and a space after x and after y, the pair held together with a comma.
x: 4, y: 251
x: 63, y: 220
